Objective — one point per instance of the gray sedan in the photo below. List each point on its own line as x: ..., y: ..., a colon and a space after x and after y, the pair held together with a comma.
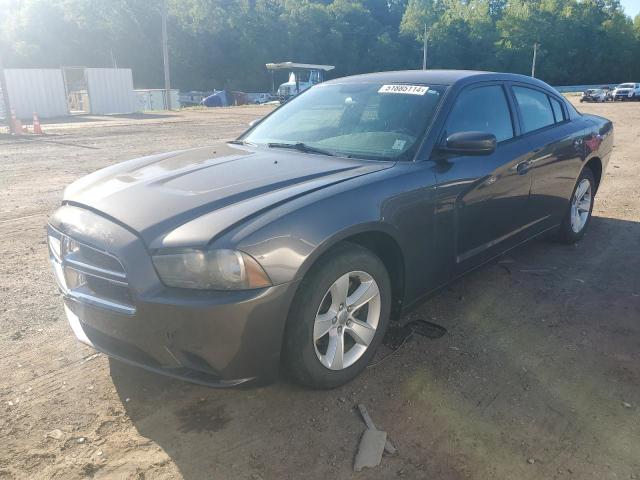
x: 294, y: 246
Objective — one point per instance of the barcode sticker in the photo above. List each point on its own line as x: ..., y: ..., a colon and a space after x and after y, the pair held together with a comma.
x: 406, y: 89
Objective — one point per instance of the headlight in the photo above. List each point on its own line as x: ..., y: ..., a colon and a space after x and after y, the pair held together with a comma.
x: 211, y: 270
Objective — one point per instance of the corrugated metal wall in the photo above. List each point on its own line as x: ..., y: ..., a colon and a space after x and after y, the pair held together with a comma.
x: 38, y: 90
x: 111, y: 90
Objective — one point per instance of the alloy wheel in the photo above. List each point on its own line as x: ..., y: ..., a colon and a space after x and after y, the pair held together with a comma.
x: 346, y: 320
x: 581, y: 206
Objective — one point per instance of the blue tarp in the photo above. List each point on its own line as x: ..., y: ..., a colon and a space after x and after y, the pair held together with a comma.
x: 218, y: 99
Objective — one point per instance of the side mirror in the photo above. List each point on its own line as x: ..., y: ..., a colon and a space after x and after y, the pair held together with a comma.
x: 470, y: 143
x: 254, y: 122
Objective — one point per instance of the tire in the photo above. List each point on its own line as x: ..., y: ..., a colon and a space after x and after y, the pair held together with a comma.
x: 568, y: 233
x: 304, y: 349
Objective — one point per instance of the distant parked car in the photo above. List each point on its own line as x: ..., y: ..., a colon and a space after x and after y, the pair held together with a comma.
x: 260, y: 98
x: 608, y: 91
x: 594, y: 95
x: 627, y: 91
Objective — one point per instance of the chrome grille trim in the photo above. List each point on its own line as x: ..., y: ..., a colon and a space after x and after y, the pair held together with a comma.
x: 115, y: 294
x: 98, y: 272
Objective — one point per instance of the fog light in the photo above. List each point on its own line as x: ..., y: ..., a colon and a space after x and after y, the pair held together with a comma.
x: 69, y: 246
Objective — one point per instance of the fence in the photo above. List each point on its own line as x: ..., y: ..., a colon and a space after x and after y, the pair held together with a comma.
x: 582, y: 88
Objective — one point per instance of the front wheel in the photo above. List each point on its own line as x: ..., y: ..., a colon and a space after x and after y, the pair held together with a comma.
x: 578, y: 216
x: 338, y: 318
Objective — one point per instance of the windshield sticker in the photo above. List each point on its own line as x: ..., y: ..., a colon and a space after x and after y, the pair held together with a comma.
x: 399, y: 144
x: 405, y: 89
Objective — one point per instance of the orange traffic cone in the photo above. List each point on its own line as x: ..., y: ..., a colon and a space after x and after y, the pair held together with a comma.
x: 37, y: 128
x: 17, y: 124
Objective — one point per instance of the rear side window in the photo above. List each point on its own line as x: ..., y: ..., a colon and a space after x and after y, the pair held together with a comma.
x: 534, y: 107
x: 557, y: 109
x: 482, y: 109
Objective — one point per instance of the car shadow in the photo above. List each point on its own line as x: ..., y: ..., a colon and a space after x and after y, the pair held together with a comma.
x: 539, y: 359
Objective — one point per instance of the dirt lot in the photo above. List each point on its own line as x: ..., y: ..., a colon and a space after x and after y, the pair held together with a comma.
x: 538, y: 375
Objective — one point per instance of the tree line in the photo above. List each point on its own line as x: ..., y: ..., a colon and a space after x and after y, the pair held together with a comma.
x: 225, y: 43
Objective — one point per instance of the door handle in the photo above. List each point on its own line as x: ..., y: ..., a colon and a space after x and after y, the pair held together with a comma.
x: 523, y: 167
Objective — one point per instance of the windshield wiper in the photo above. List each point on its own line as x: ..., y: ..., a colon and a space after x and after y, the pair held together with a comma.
x: 301, y: 147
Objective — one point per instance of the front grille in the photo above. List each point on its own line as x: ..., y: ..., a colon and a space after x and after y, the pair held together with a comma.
x: 88, y: 274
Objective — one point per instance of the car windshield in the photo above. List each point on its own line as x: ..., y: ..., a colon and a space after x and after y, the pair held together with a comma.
x: 626, y: 85
x: 362, y: 120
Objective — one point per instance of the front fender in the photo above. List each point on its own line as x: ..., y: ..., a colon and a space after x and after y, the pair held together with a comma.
x: 287, y: 245
x: 397, y: 202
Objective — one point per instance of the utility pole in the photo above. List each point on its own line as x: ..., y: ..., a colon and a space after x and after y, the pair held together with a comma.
x: 5, y: 98
x: 425, y: 45
x: 533, y: 64
x: 165, y: 54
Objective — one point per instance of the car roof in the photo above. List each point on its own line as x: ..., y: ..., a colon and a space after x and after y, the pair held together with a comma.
x: 437, y: 77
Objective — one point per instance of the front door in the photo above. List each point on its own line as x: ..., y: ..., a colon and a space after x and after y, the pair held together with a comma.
x: 487, y: 195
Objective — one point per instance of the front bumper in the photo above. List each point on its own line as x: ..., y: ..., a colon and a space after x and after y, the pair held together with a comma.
x: 220, y: 339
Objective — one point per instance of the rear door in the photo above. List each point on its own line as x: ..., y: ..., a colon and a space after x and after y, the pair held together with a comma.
x: 557, y: 143
x: 488, y: 194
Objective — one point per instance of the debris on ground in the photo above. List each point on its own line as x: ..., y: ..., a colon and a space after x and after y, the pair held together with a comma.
x: 427, y: 329
x: 398, y: 336
x: 370, y: 449
x: 56, y: 434
x: 388, y: 446
x: 373, y: 444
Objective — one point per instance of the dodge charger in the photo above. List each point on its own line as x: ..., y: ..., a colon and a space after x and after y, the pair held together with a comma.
x: 292, y: 247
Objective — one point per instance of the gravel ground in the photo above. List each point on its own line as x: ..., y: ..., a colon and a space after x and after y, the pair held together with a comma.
x: 538, y: 375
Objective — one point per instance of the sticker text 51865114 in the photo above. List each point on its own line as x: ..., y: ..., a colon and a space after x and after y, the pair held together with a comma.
x: 406, y: 89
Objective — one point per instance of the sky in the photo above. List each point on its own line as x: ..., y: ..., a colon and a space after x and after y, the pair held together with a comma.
x: 631, y: 7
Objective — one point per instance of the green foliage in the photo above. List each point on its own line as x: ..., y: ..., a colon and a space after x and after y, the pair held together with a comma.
x: 225, y: 43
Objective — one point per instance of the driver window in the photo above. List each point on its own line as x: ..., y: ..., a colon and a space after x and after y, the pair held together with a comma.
x: 482, y: 109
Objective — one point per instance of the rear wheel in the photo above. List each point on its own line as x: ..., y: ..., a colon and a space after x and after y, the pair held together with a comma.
x: 338, y: 318
x: 578, y: 216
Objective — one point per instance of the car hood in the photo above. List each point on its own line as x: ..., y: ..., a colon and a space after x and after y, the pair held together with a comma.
x: 186, y: 198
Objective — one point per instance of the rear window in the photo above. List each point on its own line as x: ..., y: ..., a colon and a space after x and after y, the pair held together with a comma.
x: 557, y: 110
x: 535, y: 108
